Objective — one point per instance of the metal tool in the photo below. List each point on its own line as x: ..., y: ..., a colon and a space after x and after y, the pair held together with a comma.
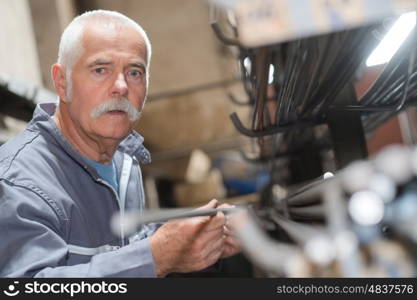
x: 133, y: 219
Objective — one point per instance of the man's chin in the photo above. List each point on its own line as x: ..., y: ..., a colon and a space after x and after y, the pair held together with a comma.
x: 116, y: 133
x: 116, y: 137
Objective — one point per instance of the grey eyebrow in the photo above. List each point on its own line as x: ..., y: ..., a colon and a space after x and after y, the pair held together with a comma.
x: 100, y: 62
x: 138, y: 65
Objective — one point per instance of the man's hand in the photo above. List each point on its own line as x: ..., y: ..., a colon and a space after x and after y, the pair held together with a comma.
x: 231, y: 243
x: 191, y: 244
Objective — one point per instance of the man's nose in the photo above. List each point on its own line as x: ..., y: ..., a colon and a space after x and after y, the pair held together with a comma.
x: 120, y: 86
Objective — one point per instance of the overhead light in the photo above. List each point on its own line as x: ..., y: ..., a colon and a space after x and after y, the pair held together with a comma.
x: 393, y: 40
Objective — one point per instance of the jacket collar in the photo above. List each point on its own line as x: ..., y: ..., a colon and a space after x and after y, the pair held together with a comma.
x: 132, y: 144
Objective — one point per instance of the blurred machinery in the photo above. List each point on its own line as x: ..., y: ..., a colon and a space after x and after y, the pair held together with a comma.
x: 299, y: 64
x: 361, y: 222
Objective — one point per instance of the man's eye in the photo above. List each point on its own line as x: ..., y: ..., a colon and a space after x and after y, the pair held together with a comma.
x: 99, y: 70
x: 135, y: 73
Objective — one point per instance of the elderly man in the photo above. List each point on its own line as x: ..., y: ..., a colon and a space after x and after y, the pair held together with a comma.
x: 76, y: 164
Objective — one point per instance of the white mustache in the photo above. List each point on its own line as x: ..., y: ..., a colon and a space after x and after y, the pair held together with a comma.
x: 121, y: 104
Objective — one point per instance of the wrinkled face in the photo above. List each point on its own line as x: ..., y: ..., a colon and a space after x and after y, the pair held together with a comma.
x: 111, y: 66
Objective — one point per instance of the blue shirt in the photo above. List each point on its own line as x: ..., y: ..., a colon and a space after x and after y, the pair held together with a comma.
x: 107, y: 172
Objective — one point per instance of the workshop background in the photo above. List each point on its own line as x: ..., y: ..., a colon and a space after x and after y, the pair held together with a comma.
x: 297, y: 94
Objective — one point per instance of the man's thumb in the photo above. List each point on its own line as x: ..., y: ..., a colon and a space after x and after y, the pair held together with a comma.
x: 212, y: 204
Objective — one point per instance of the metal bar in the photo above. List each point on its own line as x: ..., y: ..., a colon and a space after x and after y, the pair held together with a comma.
x: 309, y: 195
x: 411, y: 60
x: 267, y: 131
x: 313, y: 211
x: 350, y: 61
x: 265, y: 252
x: 298, y: 232
x: 261, y: 72
x: 133, y: 219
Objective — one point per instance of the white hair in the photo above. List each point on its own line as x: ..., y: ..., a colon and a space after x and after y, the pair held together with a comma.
x: 71, y: 43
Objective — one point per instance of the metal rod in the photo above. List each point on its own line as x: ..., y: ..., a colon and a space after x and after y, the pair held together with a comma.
x: 267, y: 131
x: 133, y: 219
x: 299, y: 232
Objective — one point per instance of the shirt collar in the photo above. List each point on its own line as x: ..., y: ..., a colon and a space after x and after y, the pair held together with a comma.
x: 132, y: 144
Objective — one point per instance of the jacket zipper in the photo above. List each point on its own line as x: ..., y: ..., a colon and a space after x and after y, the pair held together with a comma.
x: 122, y: 209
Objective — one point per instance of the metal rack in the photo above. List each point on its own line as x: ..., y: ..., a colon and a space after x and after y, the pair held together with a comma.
x: 309, y: 106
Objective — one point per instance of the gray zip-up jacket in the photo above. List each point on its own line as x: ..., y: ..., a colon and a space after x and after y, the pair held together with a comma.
x: 55, y: 210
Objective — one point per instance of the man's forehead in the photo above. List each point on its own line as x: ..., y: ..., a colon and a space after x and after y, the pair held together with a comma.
x: 102, y: 36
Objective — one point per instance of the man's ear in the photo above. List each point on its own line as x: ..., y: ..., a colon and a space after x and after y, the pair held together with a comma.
x: 60, y: 82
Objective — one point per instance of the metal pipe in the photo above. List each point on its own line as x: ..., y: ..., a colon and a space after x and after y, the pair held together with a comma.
x: 133, y: 219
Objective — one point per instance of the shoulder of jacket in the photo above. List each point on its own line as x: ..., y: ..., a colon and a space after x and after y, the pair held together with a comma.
x: 16, y: 188
x: 13, y: 149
